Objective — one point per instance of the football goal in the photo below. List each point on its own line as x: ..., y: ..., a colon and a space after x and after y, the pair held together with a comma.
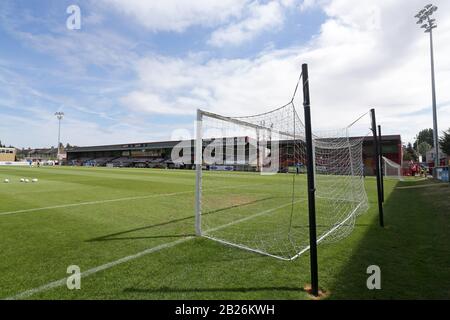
x: 391, y: 169
x: 252, y: 184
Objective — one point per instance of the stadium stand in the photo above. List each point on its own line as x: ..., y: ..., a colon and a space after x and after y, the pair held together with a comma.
x: 157, y: 155
x: 7, y: 154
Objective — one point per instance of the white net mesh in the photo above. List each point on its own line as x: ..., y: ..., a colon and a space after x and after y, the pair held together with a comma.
x: 391, y: 169
x: 254, y: 184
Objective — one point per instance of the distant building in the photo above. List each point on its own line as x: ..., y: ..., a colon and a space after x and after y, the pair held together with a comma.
x: 158, y: 154
x: 42, y: 154
x: 430, y: 156
x: 147, y: 154
x: 7, y: 154
x: 391, y: 148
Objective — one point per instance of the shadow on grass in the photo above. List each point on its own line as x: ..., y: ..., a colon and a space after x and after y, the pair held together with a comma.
x: 194, y: 290
x: 114, y: 236
x: 412, y: 250
x: 147, y: 237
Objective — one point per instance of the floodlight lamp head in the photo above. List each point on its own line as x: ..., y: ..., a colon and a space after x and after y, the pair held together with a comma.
x: 59, y: 115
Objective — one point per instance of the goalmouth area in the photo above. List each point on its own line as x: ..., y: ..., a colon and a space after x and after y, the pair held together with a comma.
x: 132, y: 233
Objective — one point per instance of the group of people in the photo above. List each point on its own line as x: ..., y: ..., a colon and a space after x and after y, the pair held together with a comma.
x: 418, y: 170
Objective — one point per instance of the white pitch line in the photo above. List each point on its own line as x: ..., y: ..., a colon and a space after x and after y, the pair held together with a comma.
x: 245, y: 219
x: 93, y: 202
x: 63, y: 281
x: 424, y: 186
x: 111, y: 200
x: 327, y: 233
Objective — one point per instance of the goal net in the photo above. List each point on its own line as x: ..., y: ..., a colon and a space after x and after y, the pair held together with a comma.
x: 251, y: 185
x: 391, y: 169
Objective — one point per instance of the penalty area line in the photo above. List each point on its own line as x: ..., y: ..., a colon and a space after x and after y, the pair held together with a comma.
x: 93, y: 203
x: 87, y: 203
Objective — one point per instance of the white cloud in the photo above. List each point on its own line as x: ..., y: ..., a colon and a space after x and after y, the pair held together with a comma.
x: 178, y: 15
x: 372, y: 54
x: 152, y: 103
x: 42, y: 132
x: 237, y: 20
x: 239, y: 86
x: 367, y: 54
x: 307, y: 4
x: 260, y: 18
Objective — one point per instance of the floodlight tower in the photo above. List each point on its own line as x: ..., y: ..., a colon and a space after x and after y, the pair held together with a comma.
x: 424, y: 16
x: 59, y: 115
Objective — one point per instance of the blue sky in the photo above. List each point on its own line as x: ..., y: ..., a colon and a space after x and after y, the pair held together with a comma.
x: 137, y: 70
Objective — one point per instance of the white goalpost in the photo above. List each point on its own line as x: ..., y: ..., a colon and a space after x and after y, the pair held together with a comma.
x: 251, y: 185
x: 391, y: 169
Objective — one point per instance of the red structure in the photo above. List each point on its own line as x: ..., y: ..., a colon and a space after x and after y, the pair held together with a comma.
x: 391, y: 148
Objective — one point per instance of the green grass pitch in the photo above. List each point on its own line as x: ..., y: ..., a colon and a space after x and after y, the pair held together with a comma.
x: 132, y: 232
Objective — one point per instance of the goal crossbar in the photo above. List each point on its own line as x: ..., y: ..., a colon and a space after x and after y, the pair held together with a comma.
x: 245, y: 123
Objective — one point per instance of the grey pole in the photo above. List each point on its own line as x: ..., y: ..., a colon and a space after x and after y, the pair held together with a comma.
x: 59, y: 133
x: 59, y: 115
x: 433, y: 88
x: 429, y: 24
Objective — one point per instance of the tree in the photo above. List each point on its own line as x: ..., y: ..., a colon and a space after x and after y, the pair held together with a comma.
x: 409, y: 153
x: 444, y: 142
x: 407, y: 156
x: 424, y: 147
x: 425, y: 135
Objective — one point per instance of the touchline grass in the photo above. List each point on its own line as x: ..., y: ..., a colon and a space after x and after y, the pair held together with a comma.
x: 131, y: 231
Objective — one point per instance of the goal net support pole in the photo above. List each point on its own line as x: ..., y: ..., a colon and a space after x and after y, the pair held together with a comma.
x: 311, y: 184
x: 376, y: 156
x: 198, y: 173
x: 380, y: 153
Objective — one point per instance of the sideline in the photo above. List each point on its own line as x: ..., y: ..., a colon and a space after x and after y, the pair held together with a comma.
x: 424, y: 186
